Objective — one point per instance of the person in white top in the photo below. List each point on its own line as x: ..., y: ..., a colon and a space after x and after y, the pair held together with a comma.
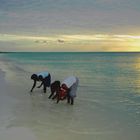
x: 44, y: 78
x: 69, y: 88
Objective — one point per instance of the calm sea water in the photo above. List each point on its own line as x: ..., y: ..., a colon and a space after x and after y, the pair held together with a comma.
x: 107, y: 106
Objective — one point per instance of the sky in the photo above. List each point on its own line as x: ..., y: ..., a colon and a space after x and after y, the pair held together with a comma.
x: 70, y: 25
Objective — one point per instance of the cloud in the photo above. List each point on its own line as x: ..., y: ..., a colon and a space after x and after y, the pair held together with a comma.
x: 57, y: 16
x: 71, y: 38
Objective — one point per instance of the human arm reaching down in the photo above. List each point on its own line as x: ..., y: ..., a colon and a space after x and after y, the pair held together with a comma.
x: 34, y: 84
x: 40, y: 85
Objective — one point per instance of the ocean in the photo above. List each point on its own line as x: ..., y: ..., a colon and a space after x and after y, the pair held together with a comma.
x: 107, y: 106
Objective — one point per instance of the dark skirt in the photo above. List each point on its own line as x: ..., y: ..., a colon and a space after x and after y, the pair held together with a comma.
x: 47, y: 81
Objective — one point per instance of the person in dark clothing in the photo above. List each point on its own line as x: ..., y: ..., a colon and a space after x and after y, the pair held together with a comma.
x: 44, y: 78
x: 55, y: 89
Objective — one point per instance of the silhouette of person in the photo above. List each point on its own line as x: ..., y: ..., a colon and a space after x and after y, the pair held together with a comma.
x: 44, y: 78
x: 55, y: 89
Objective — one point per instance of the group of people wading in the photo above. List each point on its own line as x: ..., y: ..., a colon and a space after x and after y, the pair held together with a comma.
x: 59, y: 91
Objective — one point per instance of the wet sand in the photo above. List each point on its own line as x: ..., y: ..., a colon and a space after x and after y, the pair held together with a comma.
x: 9, y: 131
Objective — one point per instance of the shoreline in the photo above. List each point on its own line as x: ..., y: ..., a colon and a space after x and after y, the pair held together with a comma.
x: 8, y: 102
x: 2, y: 74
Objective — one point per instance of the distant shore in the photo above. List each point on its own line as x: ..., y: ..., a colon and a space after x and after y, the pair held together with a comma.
x: 65, y: 52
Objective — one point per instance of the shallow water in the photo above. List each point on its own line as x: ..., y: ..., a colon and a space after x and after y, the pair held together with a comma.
x: 107, y: 106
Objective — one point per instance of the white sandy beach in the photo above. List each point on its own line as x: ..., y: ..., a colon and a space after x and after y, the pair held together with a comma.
x: 9, y: 131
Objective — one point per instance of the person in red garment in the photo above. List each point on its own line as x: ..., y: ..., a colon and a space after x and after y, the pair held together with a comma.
x: 55, y: 89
